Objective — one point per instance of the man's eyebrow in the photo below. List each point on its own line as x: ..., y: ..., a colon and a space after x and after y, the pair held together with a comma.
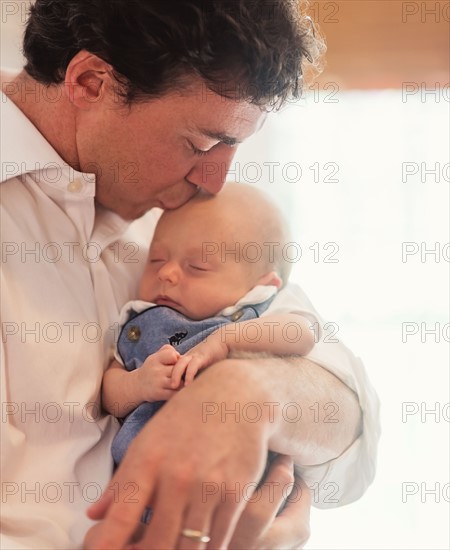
x: 224, y: 138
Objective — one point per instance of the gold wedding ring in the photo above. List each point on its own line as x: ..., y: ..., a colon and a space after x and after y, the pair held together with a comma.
x: 193, y: 534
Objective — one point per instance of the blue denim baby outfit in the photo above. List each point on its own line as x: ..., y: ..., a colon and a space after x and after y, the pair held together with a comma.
x: 146, y: 332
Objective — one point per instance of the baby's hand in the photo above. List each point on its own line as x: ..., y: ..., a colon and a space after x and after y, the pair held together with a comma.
x: 167, y: 354
x: 202, y: 355
x: 155, y: 374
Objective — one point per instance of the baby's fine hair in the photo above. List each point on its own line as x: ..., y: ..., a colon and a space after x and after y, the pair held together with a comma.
x: 258, y: 227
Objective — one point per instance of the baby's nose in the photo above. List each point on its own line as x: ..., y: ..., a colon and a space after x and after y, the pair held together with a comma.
x: 169, y: 272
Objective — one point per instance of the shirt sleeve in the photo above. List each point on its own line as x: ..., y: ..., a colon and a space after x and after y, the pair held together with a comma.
x: 345, y: 478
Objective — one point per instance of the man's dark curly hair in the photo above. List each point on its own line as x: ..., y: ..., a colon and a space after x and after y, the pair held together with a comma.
x: 245, y: 49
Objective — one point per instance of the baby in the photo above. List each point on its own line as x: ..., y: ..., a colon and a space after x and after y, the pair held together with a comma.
x: 213, y: 268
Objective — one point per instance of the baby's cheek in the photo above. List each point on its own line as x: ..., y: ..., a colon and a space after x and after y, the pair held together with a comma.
x: 141, y: 287
x: 146, y: 290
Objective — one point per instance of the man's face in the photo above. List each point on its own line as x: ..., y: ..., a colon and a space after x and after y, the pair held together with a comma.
x: 187, y: 266
x: 158, y: 153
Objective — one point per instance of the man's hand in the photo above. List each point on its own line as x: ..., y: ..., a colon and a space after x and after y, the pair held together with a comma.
x: 191, y: 462
x: 209, y: 351
x: 259, y: 527
x: 155, y: 375
x: 181, y: 465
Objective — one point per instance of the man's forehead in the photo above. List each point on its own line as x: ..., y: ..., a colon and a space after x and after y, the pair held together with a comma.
x: 209, y: 114
x: 241, y: 128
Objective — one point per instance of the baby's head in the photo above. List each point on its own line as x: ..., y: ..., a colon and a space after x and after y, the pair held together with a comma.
x: 211, y: 251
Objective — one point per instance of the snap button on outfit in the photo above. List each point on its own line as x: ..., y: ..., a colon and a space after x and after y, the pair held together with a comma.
x: 237, y: 315
x: 134, y: 333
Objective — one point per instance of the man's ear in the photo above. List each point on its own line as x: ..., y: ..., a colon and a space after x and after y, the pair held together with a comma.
x: 87, y: 79
x: 271, y: 278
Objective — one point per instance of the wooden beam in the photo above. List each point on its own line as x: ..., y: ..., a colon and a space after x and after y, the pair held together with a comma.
x: 384, y: 43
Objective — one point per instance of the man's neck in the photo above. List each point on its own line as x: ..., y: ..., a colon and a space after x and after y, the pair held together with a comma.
x: 48, y: 108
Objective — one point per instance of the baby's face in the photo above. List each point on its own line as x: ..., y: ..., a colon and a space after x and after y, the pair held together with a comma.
x: 187, y: 268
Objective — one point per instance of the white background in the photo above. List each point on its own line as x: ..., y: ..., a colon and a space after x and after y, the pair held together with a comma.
x: 373, y: 290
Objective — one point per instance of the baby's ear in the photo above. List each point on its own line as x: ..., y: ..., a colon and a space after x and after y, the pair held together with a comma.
x: 271, y: 278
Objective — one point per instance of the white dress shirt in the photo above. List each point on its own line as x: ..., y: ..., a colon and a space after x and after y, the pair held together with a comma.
x: 67, y: 268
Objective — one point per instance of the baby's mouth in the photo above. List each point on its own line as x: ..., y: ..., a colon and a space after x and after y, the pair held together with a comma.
x: 163, y: 300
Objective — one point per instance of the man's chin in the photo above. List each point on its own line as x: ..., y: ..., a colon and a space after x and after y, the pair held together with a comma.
x: 129, y: 212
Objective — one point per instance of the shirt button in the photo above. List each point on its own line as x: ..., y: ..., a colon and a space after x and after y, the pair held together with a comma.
x: 75, y: 186
x: 134, y: 333
x: 237, y: 315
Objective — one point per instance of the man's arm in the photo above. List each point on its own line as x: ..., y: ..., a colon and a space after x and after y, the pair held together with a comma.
x: 294, y: 389
x: 325, y: 416
x: 227, y: 447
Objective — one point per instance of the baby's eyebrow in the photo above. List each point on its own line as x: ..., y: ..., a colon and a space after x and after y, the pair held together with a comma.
x: 200, y: 253
x: 156, y: 247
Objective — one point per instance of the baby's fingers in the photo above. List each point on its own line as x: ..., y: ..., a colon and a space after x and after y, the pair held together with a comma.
x: 168, y: 355
x: 178, y: 370
x: 193, y: 367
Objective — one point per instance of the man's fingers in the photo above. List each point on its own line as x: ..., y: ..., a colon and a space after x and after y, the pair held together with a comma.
x: 165, y: 523
x: 298, y: 503
x: 125, y: 500
x: 223, y: 526
x: 291, y: 529
x: 98, y: 510
x: 196, y: 519
x: 270, y: 495
x: 262, y: 506
x: 89, y: 540
x: 171, y: 515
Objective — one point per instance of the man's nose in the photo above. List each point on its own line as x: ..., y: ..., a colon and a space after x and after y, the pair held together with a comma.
x: 169, y: 272
x: 210, y: 172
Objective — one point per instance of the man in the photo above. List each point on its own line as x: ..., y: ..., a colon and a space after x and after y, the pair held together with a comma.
x: 122, y: 107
